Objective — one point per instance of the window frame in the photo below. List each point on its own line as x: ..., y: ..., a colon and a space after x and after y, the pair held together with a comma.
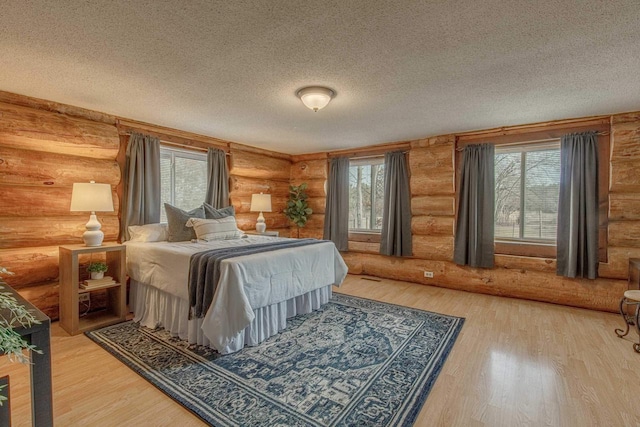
x: 533, y: 134
x: 361, y: 234
x: 523, y: 149
x: 172, y: 153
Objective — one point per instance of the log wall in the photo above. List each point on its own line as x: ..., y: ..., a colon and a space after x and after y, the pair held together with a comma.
x: 432, y: 165
x: 45, y: 147
x: 313, y: 170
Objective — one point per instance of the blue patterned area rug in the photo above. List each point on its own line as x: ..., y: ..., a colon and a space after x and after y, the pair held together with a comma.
x: 354, y: 362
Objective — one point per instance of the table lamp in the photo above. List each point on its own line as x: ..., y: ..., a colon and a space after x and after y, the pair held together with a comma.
x: 92, y: 197
x: 261, y: 203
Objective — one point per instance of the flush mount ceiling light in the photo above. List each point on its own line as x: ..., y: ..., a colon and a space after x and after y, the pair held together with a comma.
x: 315, y: 97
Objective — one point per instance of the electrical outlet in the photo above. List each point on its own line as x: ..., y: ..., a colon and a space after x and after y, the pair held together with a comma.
x: 84, y: 297
x: 428, y: 274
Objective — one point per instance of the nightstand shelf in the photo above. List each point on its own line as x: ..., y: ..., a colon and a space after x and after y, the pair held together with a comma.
x: 266, y: 233
x: 116, y: 308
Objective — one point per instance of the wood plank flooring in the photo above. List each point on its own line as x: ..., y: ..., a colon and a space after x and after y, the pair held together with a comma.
x: 516, y: 363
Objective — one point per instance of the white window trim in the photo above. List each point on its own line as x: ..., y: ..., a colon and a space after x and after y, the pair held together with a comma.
x: 527, y: 147
x: 172, y: 153
x: 365, y: 161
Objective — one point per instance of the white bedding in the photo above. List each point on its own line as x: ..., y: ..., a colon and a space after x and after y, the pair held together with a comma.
x: 246, y: 283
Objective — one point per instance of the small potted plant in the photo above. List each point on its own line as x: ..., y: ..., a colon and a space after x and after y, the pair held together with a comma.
x: 298, y: 210
x: 97, y: 270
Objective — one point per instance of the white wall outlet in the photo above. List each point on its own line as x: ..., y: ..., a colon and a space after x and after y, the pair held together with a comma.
x: 428, y: 274
x: 84, y: 297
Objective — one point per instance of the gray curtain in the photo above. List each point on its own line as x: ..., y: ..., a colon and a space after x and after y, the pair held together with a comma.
x: 336, y: 217
x: 474, y: 226
x: 217, y: 179
x: 396, y: 217
x: 141, y: 198
x: 577, y: 234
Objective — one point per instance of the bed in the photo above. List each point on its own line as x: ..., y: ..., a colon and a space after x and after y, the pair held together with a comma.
x: 255, y: 294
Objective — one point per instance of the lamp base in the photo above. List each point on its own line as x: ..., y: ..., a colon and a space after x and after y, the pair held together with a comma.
x: 93, y: 236
x: 261, y: 227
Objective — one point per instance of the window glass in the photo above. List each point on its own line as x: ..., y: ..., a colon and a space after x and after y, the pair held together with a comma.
x: 183, y: 179
x: 366, y: 194
x: 527, y: 191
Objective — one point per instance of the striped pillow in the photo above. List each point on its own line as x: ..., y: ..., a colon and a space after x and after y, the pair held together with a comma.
x: 215, y: 229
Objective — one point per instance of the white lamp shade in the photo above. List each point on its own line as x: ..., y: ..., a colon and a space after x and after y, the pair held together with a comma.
x: 261, y: 202
x: 91, y: 197
x: 315, y: 98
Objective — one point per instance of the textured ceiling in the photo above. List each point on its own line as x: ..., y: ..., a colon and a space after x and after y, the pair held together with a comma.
x: 401, y: 69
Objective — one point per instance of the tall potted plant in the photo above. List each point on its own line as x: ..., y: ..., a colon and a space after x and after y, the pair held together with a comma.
x: 12, y: 314
x: 298, y: 210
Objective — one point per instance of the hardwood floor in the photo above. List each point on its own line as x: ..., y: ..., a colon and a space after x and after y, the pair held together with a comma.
x: 516, y: 363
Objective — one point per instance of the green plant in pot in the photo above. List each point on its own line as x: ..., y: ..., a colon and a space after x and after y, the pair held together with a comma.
x: 97, y: 269
x: 13, y: 314
x: 298, y: 210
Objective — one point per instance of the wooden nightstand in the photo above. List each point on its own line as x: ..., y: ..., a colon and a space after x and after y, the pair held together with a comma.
x: 266, y: 233
x: 116, y: 310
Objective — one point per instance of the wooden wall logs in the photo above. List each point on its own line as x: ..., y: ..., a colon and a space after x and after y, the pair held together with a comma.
x: 312, y: 170
x: 601, y: 294
x: 433, y: 205
x: 243, y: 186
x: 45, y: 147
x: 35, y: 231
x: 432, y: 225
x: 19, y: 201
x: 26, y: 167
x: 44, y: 131
x: 254, y: 165
x: 254, y: 171
x: 433, y: 209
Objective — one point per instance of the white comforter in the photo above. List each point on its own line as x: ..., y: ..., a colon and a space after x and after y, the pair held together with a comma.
x: 246, y: 282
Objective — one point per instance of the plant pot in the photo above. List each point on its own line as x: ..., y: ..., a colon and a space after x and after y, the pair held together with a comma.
x: 97, y: 275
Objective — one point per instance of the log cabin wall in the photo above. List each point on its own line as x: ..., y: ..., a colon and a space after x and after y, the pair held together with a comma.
x: 45, y: 147
x: 432, y: 166
x: 311, y: 169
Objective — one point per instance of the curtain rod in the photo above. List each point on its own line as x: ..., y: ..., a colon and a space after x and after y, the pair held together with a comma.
x: 371, y: 156
x: 507, y: 144
x: 190, y: 147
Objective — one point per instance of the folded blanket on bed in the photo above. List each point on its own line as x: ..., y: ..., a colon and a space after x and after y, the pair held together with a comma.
x: 204, y: 270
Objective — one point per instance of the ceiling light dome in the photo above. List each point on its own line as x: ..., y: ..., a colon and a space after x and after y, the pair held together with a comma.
x: 315, y: 97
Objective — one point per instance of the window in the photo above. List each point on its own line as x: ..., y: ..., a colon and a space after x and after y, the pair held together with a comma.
x: 527, y: 163
x: 366, y: 194
x: 527, y: 183
x: 183, y: 179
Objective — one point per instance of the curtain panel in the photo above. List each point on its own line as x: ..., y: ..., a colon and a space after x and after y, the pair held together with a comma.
x: 396, y: 216
x: 217, y: 179
x: 577, y: 235
x: 473, y: 245
x: 336, y: 217
x: 141, y: 194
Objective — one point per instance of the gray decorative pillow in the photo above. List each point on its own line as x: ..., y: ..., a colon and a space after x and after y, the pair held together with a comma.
x: 212, y: 213
x: 177, y: 220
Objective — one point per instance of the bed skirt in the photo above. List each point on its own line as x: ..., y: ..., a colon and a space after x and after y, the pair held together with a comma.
x: 154, y: 308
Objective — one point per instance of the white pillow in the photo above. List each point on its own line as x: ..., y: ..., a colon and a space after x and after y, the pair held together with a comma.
x: 148, y: 233
x: 215, y: 229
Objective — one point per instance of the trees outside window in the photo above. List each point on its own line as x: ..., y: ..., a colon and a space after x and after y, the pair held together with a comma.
x: 366, y: 194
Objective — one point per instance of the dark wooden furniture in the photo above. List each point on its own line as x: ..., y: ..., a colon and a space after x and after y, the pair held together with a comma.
x: 40, y: 336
